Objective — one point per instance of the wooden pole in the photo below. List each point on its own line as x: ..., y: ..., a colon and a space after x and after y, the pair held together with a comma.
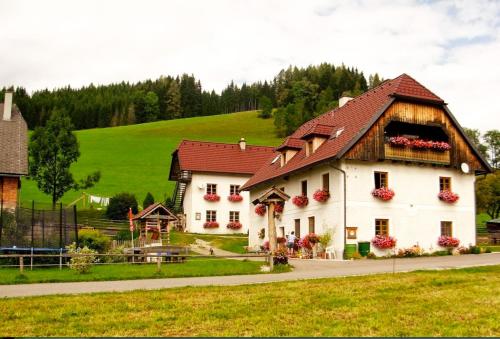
x: 21, y: 264
x: 272, y: 233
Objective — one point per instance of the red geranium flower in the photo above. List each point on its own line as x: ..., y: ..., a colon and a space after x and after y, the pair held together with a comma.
x: 234, y: 225
x: 260, y: 209
x: 383, y: 193
x: 383, y: 241
x: 235, y: 198
x: 211, y: 224
x: 300, y: 200
x: 448, y: 196
x: 321, y: 195
x: 211, y: 197
x: 445, y: 241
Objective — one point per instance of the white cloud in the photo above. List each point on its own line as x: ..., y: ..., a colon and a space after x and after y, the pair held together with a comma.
x: 453, y: 48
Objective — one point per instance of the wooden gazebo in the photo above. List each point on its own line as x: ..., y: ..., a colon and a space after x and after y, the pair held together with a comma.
x: 154, y: 224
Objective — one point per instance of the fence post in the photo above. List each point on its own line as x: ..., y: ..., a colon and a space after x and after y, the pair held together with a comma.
x: 43, y: 228
x: 32, y: 226
x: 21, y: 264
x: 76, y: 223
x: 158, y: 264
x: 60, y: 227
x: 31, y: 261
x: 60, y: 258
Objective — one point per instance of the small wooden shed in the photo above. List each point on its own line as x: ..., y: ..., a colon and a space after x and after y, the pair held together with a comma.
x: 493, y: 227
x: 154, y: 222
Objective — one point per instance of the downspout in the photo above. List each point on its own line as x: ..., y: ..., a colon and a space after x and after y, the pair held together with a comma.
x: 345, y: 201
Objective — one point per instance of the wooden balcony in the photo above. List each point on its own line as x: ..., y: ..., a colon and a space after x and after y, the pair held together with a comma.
x: 410, y: 154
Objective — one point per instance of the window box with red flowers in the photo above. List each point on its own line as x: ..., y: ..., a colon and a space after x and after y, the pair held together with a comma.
x: 234, y: 225
x: 300, y: 200
x: 321, y: 195
x: 211, y: 224
x: 260, y: 209
x: 441, y: 146
x: 448, y: 242
x: 383, y: 242
x: 399, y: 141
x: 235, y: 198
x: 383, y: 193
x: 211, y: 197
x: 448, y: 196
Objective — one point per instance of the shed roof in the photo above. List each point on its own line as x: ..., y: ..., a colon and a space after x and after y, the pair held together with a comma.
x: 13, y: 144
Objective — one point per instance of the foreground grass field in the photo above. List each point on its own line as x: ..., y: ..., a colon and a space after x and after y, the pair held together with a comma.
x: 191, y: 268
x: 462, y: 302
x: 137, y: 158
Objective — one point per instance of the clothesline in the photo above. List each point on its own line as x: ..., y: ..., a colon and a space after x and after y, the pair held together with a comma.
x: 104, y: 201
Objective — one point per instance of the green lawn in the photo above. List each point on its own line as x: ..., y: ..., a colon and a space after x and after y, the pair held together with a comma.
x: 191, y: 268
x: 463, y: 302
x: 232, y: 243
x: 137, y: 158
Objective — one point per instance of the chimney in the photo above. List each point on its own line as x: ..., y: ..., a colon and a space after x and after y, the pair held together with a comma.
x: 344, y: 100
x: 7, y: 105
x: 243, y: 144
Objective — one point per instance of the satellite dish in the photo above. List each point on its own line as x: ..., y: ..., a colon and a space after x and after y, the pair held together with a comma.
x: 464, y: 167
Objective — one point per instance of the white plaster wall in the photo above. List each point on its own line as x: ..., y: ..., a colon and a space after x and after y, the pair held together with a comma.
x: 194, y: 203
x: 415, y: 213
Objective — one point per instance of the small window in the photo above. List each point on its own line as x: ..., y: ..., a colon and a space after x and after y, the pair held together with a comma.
x: 211, y: 216
x: 234, y: 189
x: 311, y: 225
x: 297, y: 228
x: 310, y: 147
x: 304, y: 187
x: 446, y: 228
x: 211, y: 189
x: 381, y: 227
x: 381, y: 179
x: 326, y: 181
x: 234, y: 216
x: 444, y: 183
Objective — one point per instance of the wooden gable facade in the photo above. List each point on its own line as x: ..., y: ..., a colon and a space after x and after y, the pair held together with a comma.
x: 420, y: 120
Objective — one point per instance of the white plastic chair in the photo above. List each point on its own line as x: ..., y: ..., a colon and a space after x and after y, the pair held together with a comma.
x: 330, y: 253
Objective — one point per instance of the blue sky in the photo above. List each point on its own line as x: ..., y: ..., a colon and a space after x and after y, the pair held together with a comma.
x: 452, y: 47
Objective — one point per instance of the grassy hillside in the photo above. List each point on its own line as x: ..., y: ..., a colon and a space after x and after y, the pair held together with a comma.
x: 137, y: 158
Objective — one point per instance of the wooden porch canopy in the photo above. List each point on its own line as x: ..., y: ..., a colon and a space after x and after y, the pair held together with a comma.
x: 155, y: 212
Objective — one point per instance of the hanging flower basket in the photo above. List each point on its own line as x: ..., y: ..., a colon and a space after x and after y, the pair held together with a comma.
x: 278, y: 208
x: 445, y: 241
x: 383, y: 242
x: 211, y: 197
x: 235, y: 198
x: 399, y: 141
x: 321, y: 195
x: 260, y: 209
x: 448, y: 196
x: 383, y: 193
x: 300, y: 200
x: 234, y: 225
x: 211, y: 224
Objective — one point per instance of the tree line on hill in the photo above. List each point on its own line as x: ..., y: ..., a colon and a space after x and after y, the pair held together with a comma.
x: 311, y: 90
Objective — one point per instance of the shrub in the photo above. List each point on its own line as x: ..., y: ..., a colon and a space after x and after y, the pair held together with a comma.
x: 280, y: 257
x: 81, y: 264
x: 119, y: 257
x: 125, y: 234
x: 475, y: 250
x: 119, y: 206
x: 487, y: 250
x: 94, y: 240
x: 148, y: 200
x: 371, y: 255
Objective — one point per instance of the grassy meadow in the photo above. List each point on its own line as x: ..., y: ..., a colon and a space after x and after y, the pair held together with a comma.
x: 464, y: 302
x: 136, y: 158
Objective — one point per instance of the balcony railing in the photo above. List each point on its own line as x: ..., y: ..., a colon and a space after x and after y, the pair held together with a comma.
x: 411, y: 154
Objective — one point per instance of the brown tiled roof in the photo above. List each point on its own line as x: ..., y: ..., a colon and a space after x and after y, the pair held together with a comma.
x: 13, y: 144
x: 202, y: 156
x: 346, y: 124
x: 319, y: 130
x: 291, y: 143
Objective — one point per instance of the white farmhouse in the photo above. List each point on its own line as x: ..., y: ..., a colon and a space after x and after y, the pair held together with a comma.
x: 208, y: 177
x: 390, y: 162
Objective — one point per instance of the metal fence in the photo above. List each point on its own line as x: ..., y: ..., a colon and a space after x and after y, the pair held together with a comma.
x: 38, y: 228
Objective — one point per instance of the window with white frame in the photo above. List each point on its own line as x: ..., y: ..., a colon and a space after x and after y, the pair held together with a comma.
x: 211, y: 188
x: 211, y: 216
x: 234, y: 216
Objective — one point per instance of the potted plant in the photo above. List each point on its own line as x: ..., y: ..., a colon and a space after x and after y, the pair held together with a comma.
x: 383, y: 242
x: 448, y: 196
x: 300, y: 200
x: 235, y: 198
x: 321, y: 195
x: 211, y: 197
x: 234, y: 225
x: 211, y: 224
x: 324, y: 241
x: 383, y: 193
x: 260, y: 209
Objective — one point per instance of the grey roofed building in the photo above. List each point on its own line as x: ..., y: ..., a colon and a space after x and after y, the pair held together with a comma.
x: 13, y: 143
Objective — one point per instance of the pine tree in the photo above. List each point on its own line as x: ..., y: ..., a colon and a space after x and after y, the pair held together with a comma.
x: 148, y: 200
x: 173, y: 101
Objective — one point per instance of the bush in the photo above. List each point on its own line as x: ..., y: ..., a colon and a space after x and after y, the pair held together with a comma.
x: 475, y: 250
x: 280, y: 257
x: 94, y: 240
x: 148, y: 201
x: 115, y: 258
x: 371, y: 255
x: 126, y: 235
x: 81, y: 264
x: 119, y: 205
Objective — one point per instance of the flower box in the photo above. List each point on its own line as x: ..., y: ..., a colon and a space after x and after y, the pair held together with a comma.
x: 383, y: 241
x: 448, y: 196
x: 235, y: 198
x: 260, y: 209
x: 383, y: 193
x: 399, y: 141
x: 445, y: 241
x: 419, y: 144
x: 211, y: 224
x: 300, y: 200
x: 211, y: 197
x: 321, y: 195
x: 441, y: 146
x: 234, y: 225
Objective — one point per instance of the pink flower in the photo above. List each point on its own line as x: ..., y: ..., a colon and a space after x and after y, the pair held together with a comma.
x: 441, y: 146
x: 445, y: 241
x: 383, y: 193
x: 300, y: 200
x: 211, y: 197
x: 448, y: 196
x: 234, y: 225
x: 399, y: 141
x: 235, y: 198
x: 383, y: 241
x: 321, y: 195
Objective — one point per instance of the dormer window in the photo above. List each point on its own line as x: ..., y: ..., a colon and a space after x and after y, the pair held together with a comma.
x: 316, y: 136
x: 288, y: 149
x: 310, y: 147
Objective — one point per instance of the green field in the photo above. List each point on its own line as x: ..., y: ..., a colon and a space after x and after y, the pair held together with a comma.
x: 137, y: 158
x: 463, y: 302
x: 191, y: 268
